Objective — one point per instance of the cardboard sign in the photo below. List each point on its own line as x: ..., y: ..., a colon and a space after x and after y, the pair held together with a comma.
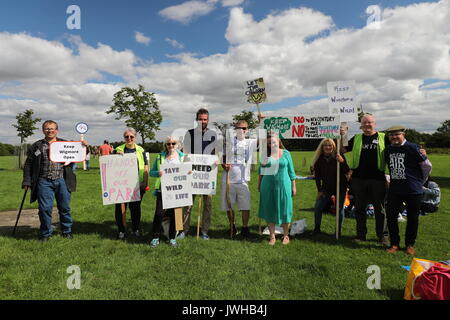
x: 342, y: 100
x: 176, y: 185
x: 204, y: 173
x: 304, y: 126
x: 255, y: 91
x: 67, y: 151
x: 119, y: 178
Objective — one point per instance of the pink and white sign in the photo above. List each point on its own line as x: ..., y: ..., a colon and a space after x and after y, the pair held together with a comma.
x: 119, y: 178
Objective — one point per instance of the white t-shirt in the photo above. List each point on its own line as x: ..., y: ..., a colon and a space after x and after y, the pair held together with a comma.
x: 175, y: 160
x: 241, y: 160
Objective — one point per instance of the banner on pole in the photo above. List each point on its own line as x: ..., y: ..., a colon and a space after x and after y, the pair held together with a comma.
x: 176, y: 190
x: 342, y: 100
x: 304, y: 126
x: 67, y: 151
x: 119, y: 178
x: 204, y: 173
x: 255, y: 91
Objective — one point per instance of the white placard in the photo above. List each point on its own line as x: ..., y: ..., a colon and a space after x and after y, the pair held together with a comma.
x: 342, y: 100
x: 67, y: 151
x: 204, y: 173
x: 176, y: 189
x: 119, y: 178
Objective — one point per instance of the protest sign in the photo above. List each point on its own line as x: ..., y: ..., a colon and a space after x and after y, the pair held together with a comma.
x: 119, y: 178
x: 67, y: 151
x: 342, y: 100
x: 304, y: 126
x: 176, y: 189
x: 255, y: 91
x: 204, y: 173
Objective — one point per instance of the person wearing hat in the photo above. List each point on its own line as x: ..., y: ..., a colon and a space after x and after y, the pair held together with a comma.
x: 368, y: 181
x: 409, y: 168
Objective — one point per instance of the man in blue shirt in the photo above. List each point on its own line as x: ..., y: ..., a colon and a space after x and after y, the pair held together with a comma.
x: 409, y: 169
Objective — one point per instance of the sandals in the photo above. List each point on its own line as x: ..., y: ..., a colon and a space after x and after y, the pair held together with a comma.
x: 272, y: 241
x: 285, y: 239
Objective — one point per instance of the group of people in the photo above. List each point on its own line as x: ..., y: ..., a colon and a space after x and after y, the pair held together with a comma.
x: 372, y: 151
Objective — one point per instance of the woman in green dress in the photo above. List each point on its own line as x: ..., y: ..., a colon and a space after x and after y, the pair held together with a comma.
x: 276, y: 185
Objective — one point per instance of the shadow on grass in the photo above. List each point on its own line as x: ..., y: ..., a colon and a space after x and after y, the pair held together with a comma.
x: 443, y: 182
x: 393, y: 294
x: 346, y: 241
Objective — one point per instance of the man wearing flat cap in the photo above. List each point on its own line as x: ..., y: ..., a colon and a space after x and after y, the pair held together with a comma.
x: 409, y: 169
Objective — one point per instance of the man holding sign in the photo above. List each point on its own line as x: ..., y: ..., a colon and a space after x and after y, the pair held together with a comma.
x: 48, y: 180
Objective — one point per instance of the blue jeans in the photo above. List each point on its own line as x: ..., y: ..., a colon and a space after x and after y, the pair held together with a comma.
x: 321, y: 204
x: 47, y: 191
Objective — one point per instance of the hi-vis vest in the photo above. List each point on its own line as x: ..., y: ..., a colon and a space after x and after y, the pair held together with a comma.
x: 159, y: 161
x: 357, y: 146
x: 140, y: 157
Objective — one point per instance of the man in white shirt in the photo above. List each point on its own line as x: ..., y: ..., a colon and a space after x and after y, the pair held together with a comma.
x: 237, y: 167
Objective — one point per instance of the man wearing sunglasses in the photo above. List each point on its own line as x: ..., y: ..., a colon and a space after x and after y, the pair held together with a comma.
x: 409, y: 169
x: 200, y: 140
x: 237, y: 166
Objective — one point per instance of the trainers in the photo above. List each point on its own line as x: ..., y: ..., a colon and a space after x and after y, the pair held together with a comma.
x: 393, y: 249
x: 410, y: 250
x: 121, y: 236
x: 205, y: 236
x: 173, y: 242
x: 359, y: 239
x: 316, y: 232
x: 67, y: 235
x: 154, y: 243
x: 181, y: 236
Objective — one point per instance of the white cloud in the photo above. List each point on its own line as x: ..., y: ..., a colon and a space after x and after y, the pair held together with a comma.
x: 174, y: 43
x: 189, y: 10
x: 141, y: 38
x: 296, y: 51
x: 231, y: 3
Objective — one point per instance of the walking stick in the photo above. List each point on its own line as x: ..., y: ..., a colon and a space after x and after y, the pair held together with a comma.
x: 20, y: 210
x: 227, y: 196
x: 199, y: 215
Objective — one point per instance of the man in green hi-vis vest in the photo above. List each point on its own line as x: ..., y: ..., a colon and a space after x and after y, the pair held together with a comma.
x: 368, y: 180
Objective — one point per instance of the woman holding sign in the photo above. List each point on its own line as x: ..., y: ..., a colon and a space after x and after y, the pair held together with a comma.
x: 130, y: 146
x: 276, y: 185
x: 325, y: 171
x: 171, y: 155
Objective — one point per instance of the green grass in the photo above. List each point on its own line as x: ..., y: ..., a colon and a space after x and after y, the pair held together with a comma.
x: 308, y: 268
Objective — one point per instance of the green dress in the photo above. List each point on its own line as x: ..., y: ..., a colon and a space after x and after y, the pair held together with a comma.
x: 275, y: 199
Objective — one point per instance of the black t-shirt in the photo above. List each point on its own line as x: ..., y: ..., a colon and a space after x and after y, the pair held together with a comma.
x: 368, y: 161
x: 404, y: 167
x: 200, y: 142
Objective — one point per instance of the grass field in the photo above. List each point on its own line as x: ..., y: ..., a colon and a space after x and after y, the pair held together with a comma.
x: 308, y: 268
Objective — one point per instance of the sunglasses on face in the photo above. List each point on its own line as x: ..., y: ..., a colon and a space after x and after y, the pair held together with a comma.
x: 242, y: 128
x: 129, y: 137
x: 171, y: 143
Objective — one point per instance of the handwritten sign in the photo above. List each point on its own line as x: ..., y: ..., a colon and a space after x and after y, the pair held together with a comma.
x: 67, y: 151
x: 304, y: 126
x: 119, y: 178
x: 255, y: 91
x: 176, y: 189
x: 204, y: 173
x: 342, y: 100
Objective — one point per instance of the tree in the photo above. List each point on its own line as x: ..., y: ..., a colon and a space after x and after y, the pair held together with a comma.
x: 248, y: 116
x: 140, y: 109
x: 445, y: 127
x: 25, y: 127
x: 25, y: 124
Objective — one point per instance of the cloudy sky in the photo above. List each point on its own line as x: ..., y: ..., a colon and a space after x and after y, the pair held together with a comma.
x: 199, y: 53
